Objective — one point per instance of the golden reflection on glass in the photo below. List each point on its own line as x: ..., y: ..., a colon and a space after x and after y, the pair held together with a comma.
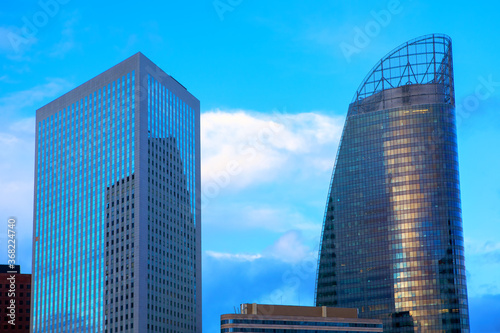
x: 414, y: 285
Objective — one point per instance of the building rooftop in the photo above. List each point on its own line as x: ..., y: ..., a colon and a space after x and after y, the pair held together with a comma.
x: 8, y: 269
x: 302, y: 311
x: 287, y: 318
x: 426, y: 59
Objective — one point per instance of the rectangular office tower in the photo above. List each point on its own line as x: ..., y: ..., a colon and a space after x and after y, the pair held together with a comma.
x: 117, y: 206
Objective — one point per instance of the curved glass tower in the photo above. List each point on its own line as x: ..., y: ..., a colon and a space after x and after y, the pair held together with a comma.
x: 392, y: 243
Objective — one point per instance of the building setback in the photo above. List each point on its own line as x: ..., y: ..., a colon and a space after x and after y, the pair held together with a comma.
x: 288, y: 319
x: 20, y: 292
x: 117, y: 233
x: 392, y: 243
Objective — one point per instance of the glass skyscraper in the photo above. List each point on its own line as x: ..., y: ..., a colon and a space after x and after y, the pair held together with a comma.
x: 117, y: 233
x: 392, y: 243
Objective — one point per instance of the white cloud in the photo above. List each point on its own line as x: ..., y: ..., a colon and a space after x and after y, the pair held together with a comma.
x: 264, y: 281
x: 26, y: 126
x: 482, y: 261
x: 13, y: 41
x: 240, y: 148
x: 273, y: 217
x: 326, y: 36
x: 231, y: 256
x: 476, y: 247
x: 282, y: 273
x: 277, y: 219
x: 17, y: 140
x: 290, y: 248
x: 33, y: 97
x: 16, y: 184
x: 67, y: 42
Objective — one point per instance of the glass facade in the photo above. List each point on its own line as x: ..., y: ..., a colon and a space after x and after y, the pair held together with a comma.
x: 116, y: 211
x: 392, y: 242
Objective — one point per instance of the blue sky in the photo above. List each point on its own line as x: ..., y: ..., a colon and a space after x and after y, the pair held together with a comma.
x: 274, y: 80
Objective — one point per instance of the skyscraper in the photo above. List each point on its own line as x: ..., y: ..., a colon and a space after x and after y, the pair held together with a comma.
x: 392, y: 243
x: 117, y: 206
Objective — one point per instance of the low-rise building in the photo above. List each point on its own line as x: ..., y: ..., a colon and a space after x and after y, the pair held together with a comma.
x: 288, y: 319
x: 15, y: 299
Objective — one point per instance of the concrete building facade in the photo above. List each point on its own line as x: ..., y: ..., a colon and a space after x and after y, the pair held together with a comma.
x: 288, y: 319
